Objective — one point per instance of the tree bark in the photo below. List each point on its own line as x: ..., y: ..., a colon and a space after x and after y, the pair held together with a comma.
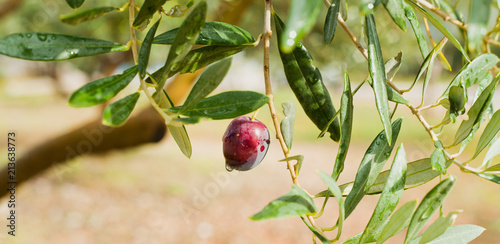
x: 94, y: 138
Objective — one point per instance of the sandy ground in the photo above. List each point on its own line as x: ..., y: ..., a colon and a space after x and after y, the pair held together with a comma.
x: 153, y: 194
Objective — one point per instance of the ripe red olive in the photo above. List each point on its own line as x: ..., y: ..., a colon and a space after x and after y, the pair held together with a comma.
x: 245, y: 143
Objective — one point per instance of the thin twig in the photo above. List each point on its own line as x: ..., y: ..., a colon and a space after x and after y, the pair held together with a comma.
x: 445, y: 16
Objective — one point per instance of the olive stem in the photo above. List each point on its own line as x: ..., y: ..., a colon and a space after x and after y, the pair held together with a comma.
x: 135, y: 54
x: 269, y: 92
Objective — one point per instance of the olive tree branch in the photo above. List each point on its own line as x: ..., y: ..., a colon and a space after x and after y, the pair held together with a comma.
x: 269, y: 92
x: 445, y: 16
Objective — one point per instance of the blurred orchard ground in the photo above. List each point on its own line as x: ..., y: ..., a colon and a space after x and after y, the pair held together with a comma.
x: 152, y: 193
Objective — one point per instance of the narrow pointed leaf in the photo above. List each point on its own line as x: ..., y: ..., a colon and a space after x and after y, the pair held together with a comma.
x: 459, y: 234
x: 212, y: 33
x: 148, y: 8
x: 301, y: 18
x: 479, y: 15
x: 490, y: 177
x: 418, y: 172
x: 322, y: 238
x: 427, y: 66
x: 287, y: 124
x: 211, y: 77
x: 75, y: 3
x: 438, y: 160
x: 39, y: 46
x: 492, y: 152
x: 489, y: 133
x: 146, y: 50
x: 473, y: 72
x: 179, y: 133
x: 335, y: 190
x: 391, y: 67
x: 201, y: 57
x: 307, y: 84
x: 431, y: 202
x: 476, y: 112
x: 226, y: 105
x: 346, y: 118
x: 415, y: 25
x: 373, y: 161
x: 183, y: 41
x: 86, y: 15
x: 102, y: 90
x: 377, y: 73
x: 298, y: 165
x: 438, y: 228
x: 396, y: 11
x: 295, y: 203
x: 390, y: 196
x: 331, y: 21
x: 436, y: 23
x: 398, y: 221
x: 118, y: 112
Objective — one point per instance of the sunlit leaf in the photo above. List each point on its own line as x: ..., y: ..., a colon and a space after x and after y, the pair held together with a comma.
x: 212, y: 33
x: 301, y: 18
x: 438, y: 228
x: 396, y: 11
x: 398, y: 221
x: 335, y: 190
x: 322, y: 238
x: 492, y: 152
x: 118, y: 112
x: 458, y: 234
x: 373, y: 161
x: 390, y: 196
x: 295, y: 203
x: 179, y: 133
x: 39, y: 46
x: 489, y: 133
x: 377, y: 73
x: 102, y: 90
x: 346, y: 118
x: 438, y: 160
x: 441, y: 28
x: 476, y: 112
x: 415, y: 25
x: 430, y: 203
x: 287, y: 124
x: 490, y: 177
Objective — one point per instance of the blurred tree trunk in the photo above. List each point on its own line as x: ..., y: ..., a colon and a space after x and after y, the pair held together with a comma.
x: 93, y: 138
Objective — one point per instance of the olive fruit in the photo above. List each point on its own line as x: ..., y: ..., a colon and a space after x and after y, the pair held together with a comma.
x: 245, y: 143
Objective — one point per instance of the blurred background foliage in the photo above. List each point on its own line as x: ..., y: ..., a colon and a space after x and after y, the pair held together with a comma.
x: 341, y: 54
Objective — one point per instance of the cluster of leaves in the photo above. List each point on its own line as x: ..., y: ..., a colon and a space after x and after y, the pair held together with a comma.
x: 199, y: 44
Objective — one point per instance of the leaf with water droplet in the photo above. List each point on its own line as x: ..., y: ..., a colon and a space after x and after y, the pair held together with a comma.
x: 34, y: 46
x: 102, y: 90
x: 212, y: 33
x: 373, y: 161
x: 181, y: 45
x: 148, y: 8
x: 86, y: 15
x: 118, y: 112
x: 226, y: 105
x: 301, y: 18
